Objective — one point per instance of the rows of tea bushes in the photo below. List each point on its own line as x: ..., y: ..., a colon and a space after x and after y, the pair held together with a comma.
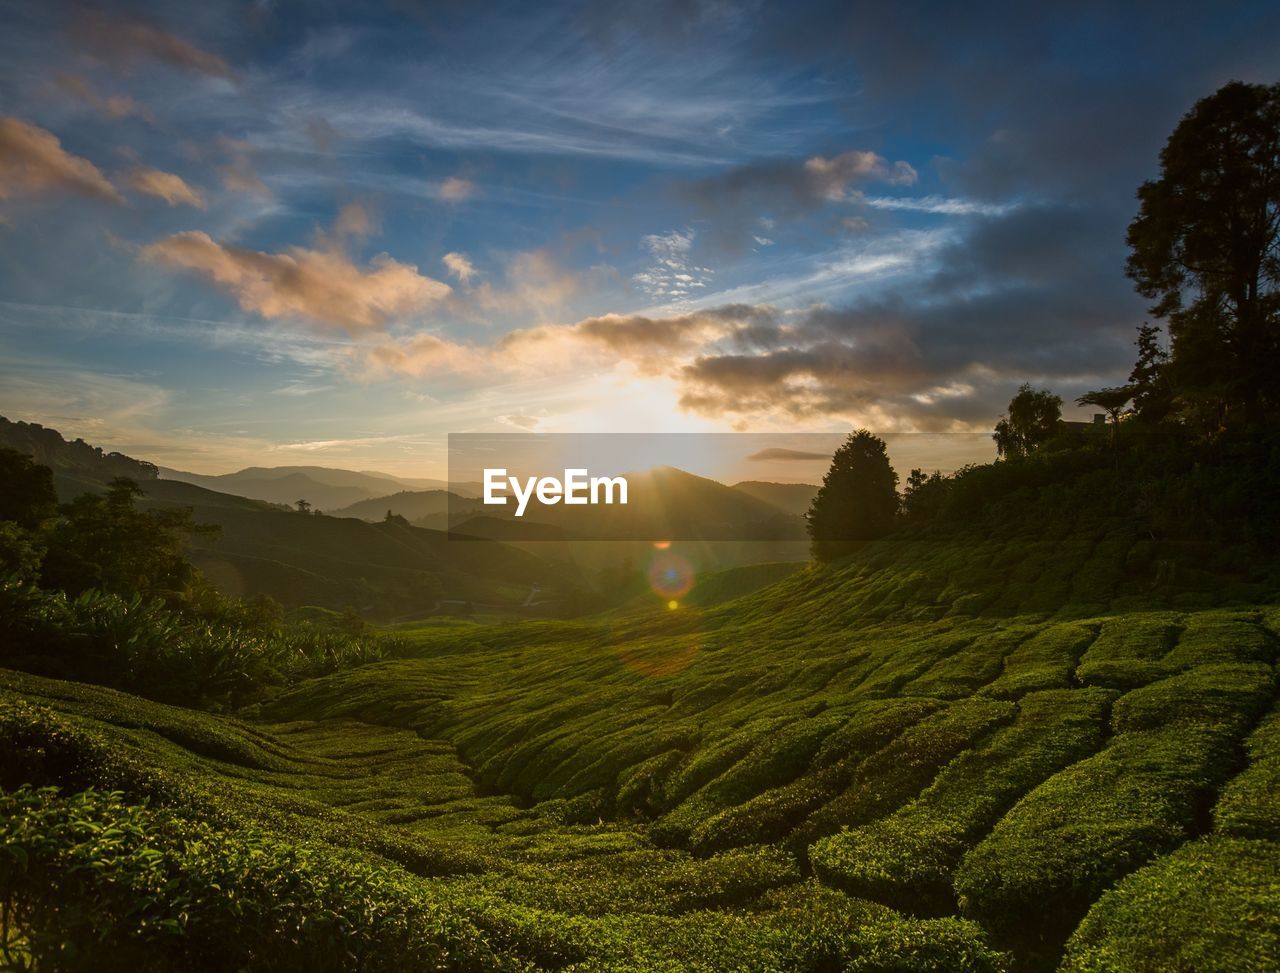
x: 1149, y: 790
x: 931, y: 757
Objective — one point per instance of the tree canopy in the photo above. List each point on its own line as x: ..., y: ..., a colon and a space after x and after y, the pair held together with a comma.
x: 1032, y: 420
x: 858, y: 499
x: 1205, y: 247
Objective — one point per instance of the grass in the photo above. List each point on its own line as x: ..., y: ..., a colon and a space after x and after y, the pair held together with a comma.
x: 933, y: 756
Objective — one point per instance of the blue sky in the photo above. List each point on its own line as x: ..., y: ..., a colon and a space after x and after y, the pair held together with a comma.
x: 276, y: 233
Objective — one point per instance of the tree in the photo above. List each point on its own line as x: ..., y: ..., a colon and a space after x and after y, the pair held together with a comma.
x: 1111, y: 401
x: 304, y: 506
x: 103, y: 541
x: 1206, y: 248
x: 923, y: 495
x: 1032, y: 420
x: 858, y: 499
x: 27, y: 496
x: 1150, y: 376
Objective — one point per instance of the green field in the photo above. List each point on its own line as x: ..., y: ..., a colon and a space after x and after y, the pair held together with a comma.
x: 976, y: 754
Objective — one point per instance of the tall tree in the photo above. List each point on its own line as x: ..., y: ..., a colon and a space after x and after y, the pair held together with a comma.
x: 1149, y: 379
x: 1206, y: 248
x: 858, y: 499
x: 1032, y: 420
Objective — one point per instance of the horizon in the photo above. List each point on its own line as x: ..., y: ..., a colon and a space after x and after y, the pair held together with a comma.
x: 255, y: 235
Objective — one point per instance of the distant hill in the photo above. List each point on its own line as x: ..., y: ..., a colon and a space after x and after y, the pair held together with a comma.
x: 411, y: 504
x: 794, y: 498
x: 324, y: 489
x: 76, y: 465
x: 327, y: 489
x: 382, y: 570
x: 664, y: 503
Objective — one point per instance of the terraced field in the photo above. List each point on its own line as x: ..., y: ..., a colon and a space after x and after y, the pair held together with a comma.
x: 980, y: 755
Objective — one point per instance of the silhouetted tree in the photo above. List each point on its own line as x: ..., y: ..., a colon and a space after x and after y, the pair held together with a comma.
x: 1206, y: 248
x: 304, y: 506
x: 923, y: 495
x: 27, y: 496
x: 858, y: 499
x: 1152, y: 398
x: 1032, y: 420
x: 1111, y: 401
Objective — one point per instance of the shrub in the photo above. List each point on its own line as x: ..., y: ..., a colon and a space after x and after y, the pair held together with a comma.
x: 1211, y: 905
x: 91, y: 883
x: 907, y: 859
x: 1249, y: 806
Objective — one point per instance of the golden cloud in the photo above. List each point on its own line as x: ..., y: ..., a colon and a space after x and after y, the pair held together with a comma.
x: 168, y: 186
x: 321, y: 286
x: 125, y: 42
x: 33, y: 161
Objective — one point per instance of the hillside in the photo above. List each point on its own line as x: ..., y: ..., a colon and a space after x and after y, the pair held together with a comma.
x: 323, y: 488
x: 379, y: 570
x: 412, y: 505
x: 981, y: 754
x: 794, y: 498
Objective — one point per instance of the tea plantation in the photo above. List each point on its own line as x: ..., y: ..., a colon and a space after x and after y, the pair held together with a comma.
x: 977, y: 754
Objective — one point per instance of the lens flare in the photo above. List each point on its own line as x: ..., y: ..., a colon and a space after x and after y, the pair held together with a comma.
x: 673, y: 604
x: 670, y: 575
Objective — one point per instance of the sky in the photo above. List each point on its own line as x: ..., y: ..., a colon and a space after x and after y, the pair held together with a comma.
x: 275, y: 233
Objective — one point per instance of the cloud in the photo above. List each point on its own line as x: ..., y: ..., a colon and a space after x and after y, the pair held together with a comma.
x: 455, y: 190
x: 319, y: 286
x: 831, y: 178
x: 943, y: 205
x: 672, y: 277
x: 125, y: 42
x: 33, y: 161
x: 238, y: 173
x: 115, y: 107
x: 778, y: 452
x: 355, y: 221
x: 422, y: 355
x: 458, y: 265
x: 535, y: 285
x: 743, y: 198
x: 519, y: 421
x: 647, y: 344
x: 164, y: 185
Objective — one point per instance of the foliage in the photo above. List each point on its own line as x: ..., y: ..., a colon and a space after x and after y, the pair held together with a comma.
x: 1032, y: 420
x: 27, y: 497
x: 858, y: 498
x: 219, y: 653
x: 103, y: 542
x: 1211, y: 905
x: 1204, y: 248
x: 88, y: 882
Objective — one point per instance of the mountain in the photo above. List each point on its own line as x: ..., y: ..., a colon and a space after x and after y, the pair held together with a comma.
x: 382, y: 570
x: 322, y: 487
x: 414, y: 505
x: 664, y: 503
x: 76, y: 465
x: 794, y: 498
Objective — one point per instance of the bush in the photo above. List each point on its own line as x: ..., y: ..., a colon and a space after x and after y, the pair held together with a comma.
x: 90, y: 883
x: 1073, y: 836
x: 1249, y: 806
x: 907, y: 859
x: 1211, y: 905
x: 219, y: 656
